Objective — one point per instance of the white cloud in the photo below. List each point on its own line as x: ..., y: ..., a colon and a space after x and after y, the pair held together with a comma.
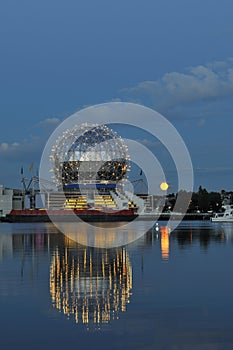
x: 25, y: 151
x: 201, y: 83
x: 49, y: 122
x: 15, y: 144
x: 4, y: 147
x: 29, y: 149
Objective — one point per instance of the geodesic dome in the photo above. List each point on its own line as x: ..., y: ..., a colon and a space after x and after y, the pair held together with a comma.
x: 89, y: 153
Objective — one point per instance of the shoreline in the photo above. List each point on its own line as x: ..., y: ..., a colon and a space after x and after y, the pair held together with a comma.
x: 97, y: 216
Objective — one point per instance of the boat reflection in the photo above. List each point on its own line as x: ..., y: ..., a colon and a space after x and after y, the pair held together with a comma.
x: 227, y: 230
x: 92, y: 285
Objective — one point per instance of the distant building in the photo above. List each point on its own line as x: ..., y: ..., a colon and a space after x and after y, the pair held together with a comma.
x: 10, y: 199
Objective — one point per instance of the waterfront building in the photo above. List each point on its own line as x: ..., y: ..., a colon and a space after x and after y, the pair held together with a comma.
x: 10, y: 199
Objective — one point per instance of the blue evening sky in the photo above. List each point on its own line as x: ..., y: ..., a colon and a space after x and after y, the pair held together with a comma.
x: 174, y: 56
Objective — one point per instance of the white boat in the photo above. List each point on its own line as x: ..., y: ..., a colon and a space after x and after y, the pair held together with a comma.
x: 226, y: 216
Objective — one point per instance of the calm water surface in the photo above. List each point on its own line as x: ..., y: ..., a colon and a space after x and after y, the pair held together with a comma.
x: 167, y: 290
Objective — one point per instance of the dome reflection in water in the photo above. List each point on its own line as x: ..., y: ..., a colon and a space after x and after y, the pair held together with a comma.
x: 92, y: 285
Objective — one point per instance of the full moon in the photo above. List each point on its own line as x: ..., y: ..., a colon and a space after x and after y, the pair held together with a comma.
x: 164, y: 186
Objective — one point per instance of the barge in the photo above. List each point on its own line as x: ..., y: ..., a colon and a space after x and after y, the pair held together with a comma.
x: 66, y: 215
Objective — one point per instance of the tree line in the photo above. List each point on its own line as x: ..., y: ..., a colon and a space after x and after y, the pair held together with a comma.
x: 201, y: 201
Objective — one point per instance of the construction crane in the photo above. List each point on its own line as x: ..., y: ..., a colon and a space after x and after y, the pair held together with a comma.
x: 142, y: 183
x: 33, y: 186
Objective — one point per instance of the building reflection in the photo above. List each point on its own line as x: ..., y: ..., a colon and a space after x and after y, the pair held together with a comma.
x: 93, y: 285
x: 187, y: 235
x: 6, y: 246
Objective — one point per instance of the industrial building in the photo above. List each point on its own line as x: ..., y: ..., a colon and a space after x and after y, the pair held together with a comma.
x: 10, y: 199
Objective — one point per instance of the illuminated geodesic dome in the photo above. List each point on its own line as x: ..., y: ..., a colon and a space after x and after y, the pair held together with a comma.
x: 89, y: 153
